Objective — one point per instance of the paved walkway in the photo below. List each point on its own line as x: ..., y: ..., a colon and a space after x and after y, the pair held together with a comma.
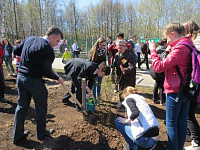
x: 143, y: 78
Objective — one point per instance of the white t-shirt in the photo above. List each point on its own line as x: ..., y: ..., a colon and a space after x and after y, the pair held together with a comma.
x: 138, y: 47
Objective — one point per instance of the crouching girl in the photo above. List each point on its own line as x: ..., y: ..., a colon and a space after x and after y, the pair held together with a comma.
x: 141, y: 128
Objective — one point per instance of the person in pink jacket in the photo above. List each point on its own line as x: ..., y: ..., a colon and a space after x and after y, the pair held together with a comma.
x: 2, y: 79
x: 177, y: 106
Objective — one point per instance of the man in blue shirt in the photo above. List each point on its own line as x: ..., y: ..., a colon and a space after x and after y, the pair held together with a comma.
x: 76, y: 49
x: 37, y: 56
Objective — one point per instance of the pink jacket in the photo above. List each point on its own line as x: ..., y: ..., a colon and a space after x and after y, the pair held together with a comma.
x: 179, y: 55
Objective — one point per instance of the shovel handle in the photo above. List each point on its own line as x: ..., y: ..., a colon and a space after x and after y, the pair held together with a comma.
x: 74, y: 98
x: 77, y: 102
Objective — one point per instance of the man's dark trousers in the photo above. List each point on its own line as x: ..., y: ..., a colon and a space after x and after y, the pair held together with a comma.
x: 139, y: 60
x: 145, y: 60
x: 75, y: 88
x: 76, y: 53
x: 30, y: 87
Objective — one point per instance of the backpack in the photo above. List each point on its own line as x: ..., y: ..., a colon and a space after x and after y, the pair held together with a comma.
x: 156, y: 76
x: 191, y: 88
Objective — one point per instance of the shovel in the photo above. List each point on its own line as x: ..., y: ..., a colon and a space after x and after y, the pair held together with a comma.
x: 89, y: 116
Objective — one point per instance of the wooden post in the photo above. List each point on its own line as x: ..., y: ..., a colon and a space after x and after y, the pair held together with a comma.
x: 84, y: 94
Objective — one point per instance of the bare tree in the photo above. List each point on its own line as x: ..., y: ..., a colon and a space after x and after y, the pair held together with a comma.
x: 2, y: 19
x: 142, y: 18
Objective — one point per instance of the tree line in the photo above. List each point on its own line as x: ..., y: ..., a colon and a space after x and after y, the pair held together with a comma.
x: 147, y: 18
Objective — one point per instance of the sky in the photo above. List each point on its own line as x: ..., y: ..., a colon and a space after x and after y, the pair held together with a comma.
x: 84, y: 3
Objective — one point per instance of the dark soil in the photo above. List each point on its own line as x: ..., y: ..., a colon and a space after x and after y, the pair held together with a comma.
x: 72, y: 133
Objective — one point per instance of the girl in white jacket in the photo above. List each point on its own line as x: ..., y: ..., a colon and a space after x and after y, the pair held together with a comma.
x: 141, y: 128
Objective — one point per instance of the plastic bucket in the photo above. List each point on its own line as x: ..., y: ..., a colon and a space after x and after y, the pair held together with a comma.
x: 90, y: 107
x: 91, y: 100
x: 91, y: 103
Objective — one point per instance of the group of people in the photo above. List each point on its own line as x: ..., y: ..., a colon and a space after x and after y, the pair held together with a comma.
x: 180, y: 111
x: 64, y: 50
x: 123, y: 65
x: 37, y: 56
x: 141, y: 127
x: 7, y: 56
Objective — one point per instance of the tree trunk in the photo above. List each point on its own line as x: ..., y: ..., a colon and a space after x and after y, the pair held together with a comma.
x: 2, y: 19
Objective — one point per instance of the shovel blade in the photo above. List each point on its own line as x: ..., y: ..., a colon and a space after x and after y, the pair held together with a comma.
x: 91, y: 118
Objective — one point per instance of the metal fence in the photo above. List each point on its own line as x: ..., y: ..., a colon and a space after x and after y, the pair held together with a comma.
x: 86, y: 45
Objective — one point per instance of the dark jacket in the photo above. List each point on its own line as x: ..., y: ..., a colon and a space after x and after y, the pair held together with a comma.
x: 62, y: 47
x: 132, y: 45
x: 9, y: 48
x: 78, y: 68
x: 113, y: 50
x: 126, y: 60
x: 145, y: 49
x: 37, y: 57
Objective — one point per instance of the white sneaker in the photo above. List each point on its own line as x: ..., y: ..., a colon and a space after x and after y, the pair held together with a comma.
x: 14, y: 75
x: 191, y: 148
x: 194, y: 146
x: 9, y: 74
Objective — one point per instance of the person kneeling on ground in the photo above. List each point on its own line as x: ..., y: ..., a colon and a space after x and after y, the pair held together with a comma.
x: 78, y: 68
x: 141, y: 128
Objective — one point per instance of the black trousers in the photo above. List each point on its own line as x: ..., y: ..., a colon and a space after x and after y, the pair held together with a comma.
x: 139, y: 60
x: 161, y: 95
x: 75, y: 88
x: 125, y: 83
x: 193, y: 126
x: 27, y: 88
x: 76, y: 53
x: 145, y: 60
x: 2, y: 82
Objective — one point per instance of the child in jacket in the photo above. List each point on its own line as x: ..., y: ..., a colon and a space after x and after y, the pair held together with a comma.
x: 66, y: 56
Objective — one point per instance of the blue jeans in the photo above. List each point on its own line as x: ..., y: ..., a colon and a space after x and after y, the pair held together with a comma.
x: 29, y: 87
x: 97, y: 87
x: 125, y: 130
x: 176, y: 120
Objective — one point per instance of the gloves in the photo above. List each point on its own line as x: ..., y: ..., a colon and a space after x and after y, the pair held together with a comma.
x: 89, y: 91
x: 124, y: 120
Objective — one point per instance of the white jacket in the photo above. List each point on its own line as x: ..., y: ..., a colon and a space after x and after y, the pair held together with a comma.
x: 146, y: 118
